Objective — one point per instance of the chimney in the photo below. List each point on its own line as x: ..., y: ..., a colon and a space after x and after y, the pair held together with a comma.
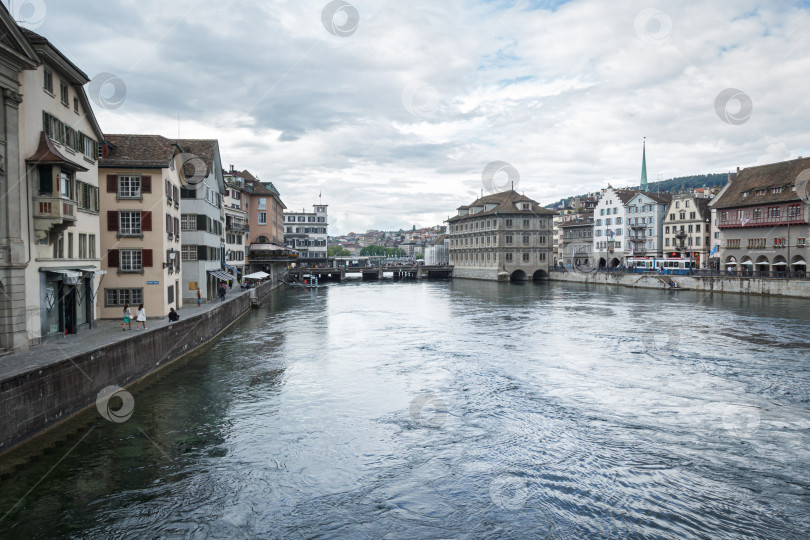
x: 738, y: 169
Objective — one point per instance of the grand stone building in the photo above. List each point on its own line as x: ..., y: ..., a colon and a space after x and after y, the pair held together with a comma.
x: 686, y: 228
x: 49, y: 224
x: 500, y: 237
x: 762, y: 215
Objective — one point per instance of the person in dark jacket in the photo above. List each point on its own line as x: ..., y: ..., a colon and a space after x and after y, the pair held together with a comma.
x: 222, y: 291
x: 173, y: 315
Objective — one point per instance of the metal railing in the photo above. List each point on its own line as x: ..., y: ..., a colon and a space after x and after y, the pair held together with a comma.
x: 696, y: 272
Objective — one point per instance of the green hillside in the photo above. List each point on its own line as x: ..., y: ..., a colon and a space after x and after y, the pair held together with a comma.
x: 673, y: 185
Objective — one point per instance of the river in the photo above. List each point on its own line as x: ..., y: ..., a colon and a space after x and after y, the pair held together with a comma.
x: 458, y: 409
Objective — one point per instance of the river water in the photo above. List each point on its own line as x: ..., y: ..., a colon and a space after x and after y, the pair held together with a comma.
x: 456, y: 409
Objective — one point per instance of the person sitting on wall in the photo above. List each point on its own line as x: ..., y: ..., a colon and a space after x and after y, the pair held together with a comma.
x: 173, y: 315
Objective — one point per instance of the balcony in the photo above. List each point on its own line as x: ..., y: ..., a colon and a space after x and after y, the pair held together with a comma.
x: 51, y: 211
x: 237, y: 228
x: 762, y: 221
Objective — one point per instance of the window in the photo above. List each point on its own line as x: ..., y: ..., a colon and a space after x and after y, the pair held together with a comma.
x: 188, y: 222
x: 262, y: 203
x: 188, y: 253
x: 508, y: 238
x: 508, y: 222
x: 129, y: 187
x: 87, y: 196
x: 129, y: 223
x: 70, y: 245
x: 131, y: 260
x: 47, y: 82
x: 262, y: 218
x: 666, y: 242
x: 508, y: 257
x: 801, y: 242
x: 525, y: 223
x: 525, y: 239
x: 666, y: 230
x: 76, y: 105
x: 525, y: 257
x: 773, y: 212
x: 82, y: 246
x: 65, y: 185
x: 63, y: 93
x: 120, y: 297
x: 91, y: 252
x: 691, y: 215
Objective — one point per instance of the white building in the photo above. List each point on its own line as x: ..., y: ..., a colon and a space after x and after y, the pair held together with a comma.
x: 202, y: 222
x: 645, y: 213
x: 236, y: 222
x: 610, y: 237
x: 306, y: 232
x: 438, y: 251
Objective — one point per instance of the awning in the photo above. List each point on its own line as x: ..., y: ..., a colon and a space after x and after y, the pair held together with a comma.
x: 222, y: 275
x: 798, y: 263
x: 762, y: 263
x: 780, y: 263
x: 71, y: 277
x: 231, y: 268
x: 257, y: 275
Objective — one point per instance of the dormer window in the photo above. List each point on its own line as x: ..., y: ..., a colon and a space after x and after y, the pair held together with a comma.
x: 526, y: 206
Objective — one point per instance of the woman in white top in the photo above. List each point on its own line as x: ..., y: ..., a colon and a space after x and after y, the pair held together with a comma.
x: 140, y: 317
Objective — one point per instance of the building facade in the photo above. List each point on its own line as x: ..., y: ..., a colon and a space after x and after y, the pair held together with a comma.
x: 610, y: 236
x: 203, y: 220
x: 142, y: 176
x: 236, y: 222
x: 267, y: 251
x: 438, y: 251
x: 763, y: 220
x: 500, y: 237
x: 49, y: 225
x: 577, y: 242
x: 306, y: 232
x: 645, y: 213
x: 687, y: 231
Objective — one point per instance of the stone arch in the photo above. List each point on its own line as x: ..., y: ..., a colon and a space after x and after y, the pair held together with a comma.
x: 602, y: 262
x: 762, y: 264
x: 262, y: 240
x: 615, y: 262
x: 518, y: 275
x: 798, y: 264
x: 539, y: 275
x: 779, y: 264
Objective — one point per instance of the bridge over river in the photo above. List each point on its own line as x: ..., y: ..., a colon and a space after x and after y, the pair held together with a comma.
x: 413, y: 271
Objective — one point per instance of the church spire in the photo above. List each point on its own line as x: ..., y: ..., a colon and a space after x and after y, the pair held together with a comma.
x: 643, y: 186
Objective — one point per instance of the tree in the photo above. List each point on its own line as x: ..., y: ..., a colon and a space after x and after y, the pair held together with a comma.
x: 380, y: 251
x: 337, y: 251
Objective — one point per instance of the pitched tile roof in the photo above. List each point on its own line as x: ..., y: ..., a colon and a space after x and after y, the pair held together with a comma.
x: 138, y: 151
x: 205, y: 149
x: 743, y: 186
x: 505, y: 204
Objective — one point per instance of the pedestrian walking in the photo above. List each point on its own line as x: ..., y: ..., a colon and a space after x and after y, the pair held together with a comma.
x: 222, y: 291
x: 140, y: 317
x: 199, y: 297
x: 127, y: 318
x: 173, y: 315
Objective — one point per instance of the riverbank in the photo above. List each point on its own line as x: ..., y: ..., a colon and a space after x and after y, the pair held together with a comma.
x: 49, y: 383
x: 794, y: 288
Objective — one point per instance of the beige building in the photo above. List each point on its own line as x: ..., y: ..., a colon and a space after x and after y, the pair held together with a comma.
x: 687, y: 229
x: 500, y: 237
x: 49, y: 229
x: 141, y: 177
x: 237, y: 229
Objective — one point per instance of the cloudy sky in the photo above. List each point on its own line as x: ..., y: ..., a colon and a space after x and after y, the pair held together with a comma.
x: 392, y: 110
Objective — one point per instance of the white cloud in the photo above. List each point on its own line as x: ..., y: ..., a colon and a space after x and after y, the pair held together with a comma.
x: 565, y: 95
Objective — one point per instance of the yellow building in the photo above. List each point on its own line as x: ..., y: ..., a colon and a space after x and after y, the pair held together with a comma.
x: 141, y: 177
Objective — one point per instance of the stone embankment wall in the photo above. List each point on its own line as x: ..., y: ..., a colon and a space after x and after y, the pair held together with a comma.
x: 765, y: 286
x: 35, y: 400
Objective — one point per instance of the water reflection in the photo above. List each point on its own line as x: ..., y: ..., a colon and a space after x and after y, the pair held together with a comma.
x: 452, y: 409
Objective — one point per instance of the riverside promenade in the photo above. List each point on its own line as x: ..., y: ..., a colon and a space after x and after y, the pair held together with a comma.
x: 54, y: 380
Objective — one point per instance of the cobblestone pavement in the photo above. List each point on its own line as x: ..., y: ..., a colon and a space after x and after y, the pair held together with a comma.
x: 105, y: 332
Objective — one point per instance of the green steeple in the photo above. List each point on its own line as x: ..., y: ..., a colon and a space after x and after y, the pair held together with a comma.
x: 643, y: 186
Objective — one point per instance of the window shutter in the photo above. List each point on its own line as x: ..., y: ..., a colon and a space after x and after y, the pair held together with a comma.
x: 168, y: 224
x: 146, y: 184
x: 176, y: 226
x: 146, y: 258
x: 146, y: 220
x: 112, y: 220
x: 112, y: 183
x: 202, y: 221
x: 112, y: 258
x: 202, y: 253
x: 168, y: 188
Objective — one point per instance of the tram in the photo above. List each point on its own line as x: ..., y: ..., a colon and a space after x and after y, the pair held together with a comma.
x: 640, y: 265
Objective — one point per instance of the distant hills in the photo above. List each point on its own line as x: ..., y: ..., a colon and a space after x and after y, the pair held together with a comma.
x: 673, y: 185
